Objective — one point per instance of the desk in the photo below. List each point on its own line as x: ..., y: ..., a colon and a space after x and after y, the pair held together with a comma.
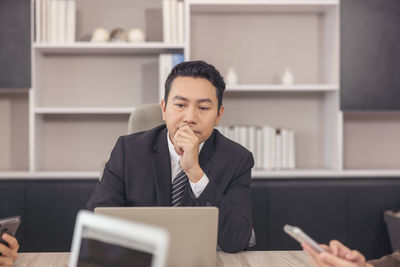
x: 242, y: 259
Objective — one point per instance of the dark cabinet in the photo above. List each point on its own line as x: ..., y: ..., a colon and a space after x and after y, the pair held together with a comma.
x: 370, y: 55
x: 48, y: 210
x: 350, y: 210
x: 52, y: 207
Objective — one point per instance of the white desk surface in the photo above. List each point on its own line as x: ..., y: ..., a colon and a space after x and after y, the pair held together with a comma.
x: 242, y: 259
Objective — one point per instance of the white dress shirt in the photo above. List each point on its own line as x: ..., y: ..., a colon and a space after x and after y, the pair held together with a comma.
x: 198, y: 187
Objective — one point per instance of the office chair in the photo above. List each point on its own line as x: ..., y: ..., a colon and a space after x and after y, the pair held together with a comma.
x: 142, y: 118
x: 145, y: 117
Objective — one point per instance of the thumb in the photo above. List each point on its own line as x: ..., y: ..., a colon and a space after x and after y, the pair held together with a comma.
x: 333, y: 260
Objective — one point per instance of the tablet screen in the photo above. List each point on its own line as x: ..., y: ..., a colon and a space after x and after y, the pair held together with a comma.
x: 100, y: 249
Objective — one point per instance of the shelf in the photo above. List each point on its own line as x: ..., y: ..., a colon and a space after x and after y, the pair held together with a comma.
x: 262, y: 6
x: 282, y: 88
x: 75, y: 142
x: 107, y: 48
x: 83, y: 110
x: 49, y: 175
x: 258, y: 174
x: 313, y: 174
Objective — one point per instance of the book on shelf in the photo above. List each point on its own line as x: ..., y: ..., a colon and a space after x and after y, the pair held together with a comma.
x: 165, y: 64
x: 55, y: 21
x: 173, y: 21
x: 272, y: 148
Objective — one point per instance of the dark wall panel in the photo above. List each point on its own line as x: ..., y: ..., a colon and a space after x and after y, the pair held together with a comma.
x: 370, y: 54
x: 15, y: 44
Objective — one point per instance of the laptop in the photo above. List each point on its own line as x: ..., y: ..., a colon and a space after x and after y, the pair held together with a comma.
x: 192, y: 231
x: 101, y: 241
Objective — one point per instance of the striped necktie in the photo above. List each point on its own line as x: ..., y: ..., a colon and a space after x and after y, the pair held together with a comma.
x: 178, y: 188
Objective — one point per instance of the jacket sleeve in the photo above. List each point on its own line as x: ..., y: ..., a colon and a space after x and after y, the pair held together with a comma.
x: 392, y: 260
x: 235, y: 218
x: 110, y: 190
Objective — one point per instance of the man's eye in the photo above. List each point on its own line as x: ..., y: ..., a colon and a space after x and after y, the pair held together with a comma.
x: 179, y: 105
x: 204, y: 108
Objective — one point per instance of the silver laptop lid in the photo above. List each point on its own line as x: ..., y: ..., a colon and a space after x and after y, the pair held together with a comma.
x: 192, y: 230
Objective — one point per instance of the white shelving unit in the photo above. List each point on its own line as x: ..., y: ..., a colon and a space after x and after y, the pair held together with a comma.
x: 82, y: 93
x: 282, y: 88
x: 260, y: 39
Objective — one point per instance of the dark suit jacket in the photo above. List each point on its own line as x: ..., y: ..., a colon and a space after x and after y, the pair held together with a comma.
x: 392, y: 260
x: 138, y: 173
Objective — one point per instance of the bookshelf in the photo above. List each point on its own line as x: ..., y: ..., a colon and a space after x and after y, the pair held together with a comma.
x: 82, y: 93
x: 270, y: 36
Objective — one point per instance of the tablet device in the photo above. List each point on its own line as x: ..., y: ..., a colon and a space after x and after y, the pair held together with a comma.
x: 101, y: 241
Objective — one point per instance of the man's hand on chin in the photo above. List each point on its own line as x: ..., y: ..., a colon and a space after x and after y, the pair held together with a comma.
x: 186, y: 144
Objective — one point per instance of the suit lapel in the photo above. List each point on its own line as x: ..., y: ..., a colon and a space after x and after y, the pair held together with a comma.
x: 205, y: 162
x: 162, y: 166
x: 206, y: 153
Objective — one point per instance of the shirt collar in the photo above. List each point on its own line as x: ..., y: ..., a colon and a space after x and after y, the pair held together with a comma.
x: 174, y: 156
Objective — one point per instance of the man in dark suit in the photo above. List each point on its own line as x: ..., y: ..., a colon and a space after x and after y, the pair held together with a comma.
x: 185, y: 162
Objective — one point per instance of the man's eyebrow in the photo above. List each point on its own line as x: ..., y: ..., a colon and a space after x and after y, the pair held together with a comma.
x: 204, y: 100
x: 178, y: 97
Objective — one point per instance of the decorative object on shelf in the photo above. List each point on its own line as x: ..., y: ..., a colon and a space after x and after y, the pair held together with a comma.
x: 287, y: 77
x: 135, y: 35
x: 117, y: 35
x: 100, y: 35
x: 231, y: 77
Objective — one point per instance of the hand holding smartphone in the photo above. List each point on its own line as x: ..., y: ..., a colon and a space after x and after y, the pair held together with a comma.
x: 301, y: 237
x: 9, y: 225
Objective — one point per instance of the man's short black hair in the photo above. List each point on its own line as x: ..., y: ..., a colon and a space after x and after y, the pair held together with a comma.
x: 197, y: 69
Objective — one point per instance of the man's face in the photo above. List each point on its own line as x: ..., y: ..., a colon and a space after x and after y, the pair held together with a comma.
x: 192, y: 101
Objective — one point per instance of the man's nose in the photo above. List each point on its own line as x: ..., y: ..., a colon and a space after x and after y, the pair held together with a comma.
x: 190, y: 115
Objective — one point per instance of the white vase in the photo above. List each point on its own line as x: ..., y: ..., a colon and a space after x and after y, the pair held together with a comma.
x: 231, y: 77
x: 287, y: 77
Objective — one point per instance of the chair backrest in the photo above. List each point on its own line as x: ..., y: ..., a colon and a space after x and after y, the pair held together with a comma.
x: 145, y: 117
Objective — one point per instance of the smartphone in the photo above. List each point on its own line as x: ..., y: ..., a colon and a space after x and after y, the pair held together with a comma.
x: 9, y: 225
x: 302, y: 237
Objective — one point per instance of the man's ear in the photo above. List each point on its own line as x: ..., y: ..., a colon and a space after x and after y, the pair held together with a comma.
x: 220, y: 112
x: 163, y: 108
